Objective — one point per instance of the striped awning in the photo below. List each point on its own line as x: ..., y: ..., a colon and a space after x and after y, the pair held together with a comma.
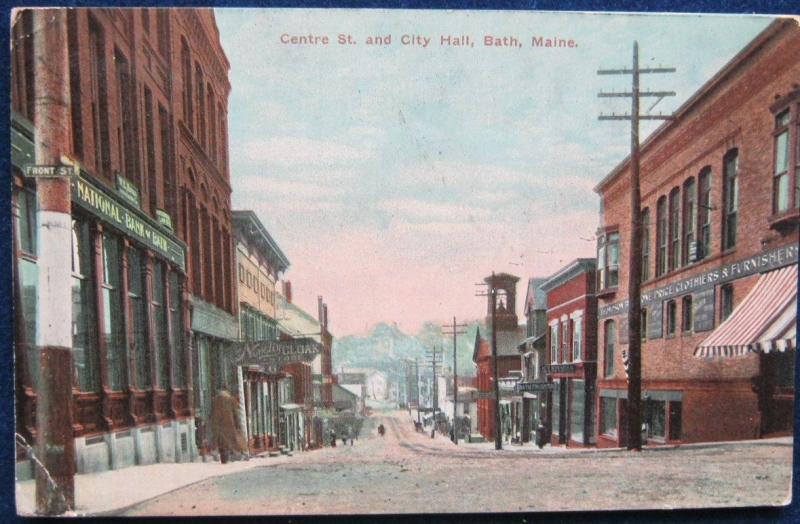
x: 764, y: 321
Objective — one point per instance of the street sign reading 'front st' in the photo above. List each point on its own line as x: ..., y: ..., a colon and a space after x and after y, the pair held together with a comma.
x: 39, y: 171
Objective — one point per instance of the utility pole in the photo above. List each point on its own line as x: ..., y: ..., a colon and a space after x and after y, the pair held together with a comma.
x: 56, y: 444
x: 416, y: 366
x: 634, y: 429
x: 498, y: 432
x: 455, y: 331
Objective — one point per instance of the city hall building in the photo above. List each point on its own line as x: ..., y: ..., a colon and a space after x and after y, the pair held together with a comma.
x: 151, y: 248
x: 719, y: 200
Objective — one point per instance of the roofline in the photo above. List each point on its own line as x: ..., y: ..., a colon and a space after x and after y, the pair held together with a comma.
x: 568, y: 272
x: 767, y: 33
x: 250, y: 215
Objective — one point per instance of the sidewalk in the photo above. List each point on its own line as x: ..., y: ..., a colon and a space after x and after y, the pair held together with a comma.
x: 98, y: 494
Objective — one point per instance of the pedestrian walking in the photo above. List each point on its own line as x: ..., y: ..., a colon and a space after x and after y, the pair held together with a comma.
x: 333, y: 439
x: 225, y: 428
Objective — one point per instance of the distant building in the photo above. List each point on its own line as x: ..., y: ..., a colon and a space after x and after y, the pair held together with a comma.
x: 533, y: 385
x: 509, y: 335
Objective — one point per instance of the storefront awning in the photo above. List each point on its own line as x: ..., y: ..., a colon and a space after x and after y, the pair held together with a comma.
x: 764, y: 321
x: 291, y: 407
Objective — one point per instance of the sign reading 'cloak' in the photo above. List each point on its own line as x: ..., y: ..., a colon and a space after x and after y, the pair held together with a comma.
x: 272, y: 354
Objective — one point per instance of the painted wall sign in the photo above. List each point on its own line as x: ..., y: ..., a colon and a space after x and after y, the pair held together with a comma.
x: 272, y: 353
x: 128, y: 191
x: 766, y: 261
x: 102, y: 204
x: 534, y: 386
x: 561, y: 368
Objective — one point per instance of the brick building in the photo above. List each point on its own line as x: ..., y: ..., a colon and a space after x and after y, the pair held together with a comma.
x: 508, y: 335
x: 151, y: 226
x: 260, y: 263
x: 572, y: 355
x: 720, y: 214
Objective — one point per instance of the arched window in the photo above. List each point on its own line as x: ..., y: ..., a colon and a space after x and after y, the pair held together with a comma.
x: 645, y: 244
x: 704, y: 213
x: 730, y: 198
x: 201, y: 115
x: 661, y: 236
x: 674, y: 229
x: 609, y: 341
x: 186, y: 67
x: 689, y: 249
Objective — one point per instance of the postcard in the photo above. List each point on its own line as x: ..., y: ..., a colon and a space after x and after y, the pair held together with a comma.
x: 363, y: 261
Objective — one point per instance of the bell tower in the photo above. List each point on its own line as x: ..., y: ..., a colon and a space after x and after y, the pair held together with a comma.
x: 505, y: 295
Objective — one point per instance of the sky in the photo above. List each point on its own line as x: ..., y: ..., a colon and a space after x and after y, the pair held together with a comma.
x: 396, y: 177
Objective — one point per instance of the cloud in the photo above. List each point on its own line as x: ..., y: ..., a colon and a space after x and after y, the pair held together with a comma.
x: 292, y: 152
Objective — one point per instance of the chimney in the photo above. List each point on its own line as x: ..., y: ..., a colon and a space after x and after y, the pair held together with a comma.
x: 325, y: 314
x: 320, y: 313
x: 287, y: 290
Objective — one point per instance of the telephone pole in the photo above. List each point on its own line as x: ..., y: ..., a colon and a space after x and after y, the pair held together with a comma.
x: 416, y: 368
x: 498, y: 431
x: 634, y: 429
x: 55, y: 481
x: 455, y: 331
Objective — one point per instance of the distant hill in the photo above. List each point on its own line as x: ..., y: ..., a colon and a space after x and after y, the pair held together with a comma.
x: 387, y: 346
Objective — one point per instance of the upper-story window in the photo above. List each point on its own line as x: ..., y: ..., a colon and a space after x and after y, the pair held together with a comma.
x: 726, y: 302
x: 674, y: 229
x: 565, y: 340
x: 671, y: 317
x: 786, y: 188
x: 608, y: 261
x: 661, y: 236
x: 645, y: 244
x: 554, y: 343
x: 731, y: 198
x: 577, y: 338
x: 687, y: 314
x: 186, y: 67
x: 704, y: 213
x: 689, y: 218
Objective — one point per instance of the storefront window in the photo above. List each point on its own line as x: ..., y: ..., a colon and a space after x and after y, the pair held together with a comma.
x: 555, y: 409
x: 655, y: 418
x: 160, y: 320
x: 28, y: 277
x: 138, y: 307
x: 675, y: 414
x: 84, y: 344
x: 578, y: 405
x: 176, y: 323
x: 608, y: 420
x: 610, y: 342
x: 112, y: 324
